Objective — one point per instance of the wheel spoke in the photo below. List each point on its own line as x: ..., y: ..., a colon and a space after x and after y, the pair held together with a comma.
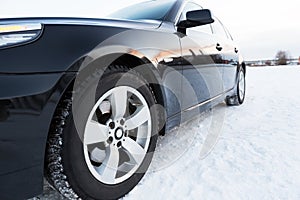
x: 109, y: 167
x: 95, y: 132
x: 140, y: 116
x: 142, y: 135
x: 134, y: 150
x: 119, y: 103
x: 126, y: 167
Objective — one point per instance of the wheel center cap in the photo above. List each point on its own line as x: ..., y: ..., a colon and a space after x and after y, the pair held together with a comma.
x: 119, y: 133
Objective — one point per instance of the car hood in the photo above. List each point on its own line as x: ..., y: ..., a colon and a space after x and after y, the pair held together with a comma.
x: 141, y: 24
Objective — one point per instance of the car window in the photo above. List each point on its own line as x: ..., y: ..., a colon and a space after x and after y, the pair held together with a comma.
x: 218, y: 29
x: 190, y: 7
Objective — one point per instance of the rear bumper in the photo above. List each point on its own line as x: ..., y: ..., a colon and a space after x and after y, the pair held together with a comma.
x: 27, y: 104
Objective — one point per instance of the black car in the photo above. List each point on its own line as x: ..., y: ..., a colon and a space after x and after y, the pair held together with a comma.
x: 82, y: 101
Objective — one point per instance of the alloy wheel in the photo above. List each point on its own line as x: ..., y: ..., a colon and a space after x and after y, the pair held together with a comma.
x: 117, y: 135
x: 241, y: 88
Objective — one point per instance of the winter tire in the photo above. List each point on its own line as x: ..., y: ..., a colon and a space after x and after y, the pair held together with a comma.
x: 101, y: 148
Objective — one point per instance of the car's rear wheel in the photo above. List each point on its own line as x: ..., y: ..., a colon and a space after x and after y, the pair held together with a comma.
x: 101, y: 150
x: 239, y: 96
x: 241, y: 86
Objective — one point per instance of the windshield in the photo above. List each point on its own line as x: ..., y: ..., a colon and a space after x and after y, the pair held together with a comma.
x: 150, y: 10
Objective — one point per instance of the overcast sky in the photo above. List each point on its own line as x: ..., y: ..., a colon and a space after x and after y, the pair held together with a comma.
x: 261, y: 28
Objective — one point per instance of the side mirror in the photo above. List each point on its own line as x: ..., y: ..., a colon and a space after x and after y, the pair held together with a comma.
x: 196, y: 18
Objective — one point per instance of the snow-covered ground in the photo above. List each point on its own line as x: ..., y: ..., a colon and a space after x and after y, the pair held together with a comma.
x: 257, y: 155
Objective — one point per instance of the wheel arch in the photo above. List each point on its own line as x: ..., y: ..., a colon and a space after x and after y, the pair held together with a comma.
x: 133, y: 60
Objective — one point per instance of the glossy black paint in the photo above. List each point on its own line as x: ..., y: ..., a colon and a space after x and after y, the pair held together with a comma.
x: 34, y: 76
x: 27, y: 106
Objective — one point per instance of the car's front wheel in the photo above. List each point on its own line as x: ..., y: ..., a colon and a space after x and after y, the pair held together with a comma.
x: 101, y: 150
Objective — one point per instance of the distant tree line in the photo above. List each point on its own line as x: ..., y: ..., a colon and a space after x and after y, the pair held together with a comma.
x: 281, y: 58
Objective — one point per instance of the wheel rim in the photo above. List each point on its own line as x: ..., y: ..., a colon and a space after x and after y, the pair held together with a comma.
x: 117, y: 135
x: 241, y: 85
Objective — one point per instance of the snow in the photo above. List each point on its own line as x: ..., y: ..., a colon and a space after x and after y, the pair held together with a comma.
x: 256, y: 156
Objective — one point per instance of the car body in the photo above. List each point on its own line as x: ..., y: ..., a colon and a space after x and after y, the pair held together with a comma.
x: 35, y: 74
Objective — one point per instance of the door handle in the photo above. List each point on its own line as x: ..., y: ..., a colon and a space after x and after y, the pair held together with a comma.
x: 218, y: 47
x: 236, y: 50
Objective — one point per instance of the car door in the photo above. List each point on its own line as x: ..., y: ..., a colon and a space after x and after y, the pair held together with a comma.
x: 202, y: 62
x: 229, y: 54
